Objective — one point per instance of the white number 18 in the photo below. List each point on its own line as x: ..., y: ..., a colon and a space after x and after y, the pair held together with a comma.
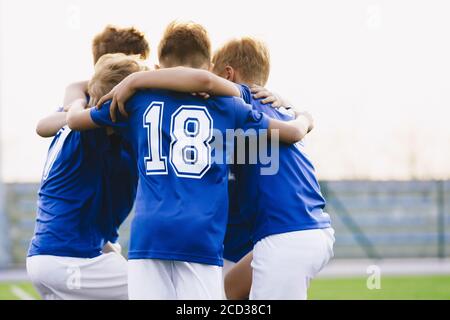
x: 191, y: 134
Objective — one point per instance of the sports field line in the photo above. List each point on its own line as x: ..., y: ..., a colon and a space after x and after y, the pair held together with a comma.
x: 20, y: 293
x: 387, y: 267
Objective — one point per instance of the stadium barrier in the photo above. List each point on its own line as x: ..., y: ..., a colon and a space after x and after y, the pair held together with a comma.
x: 376, y: 219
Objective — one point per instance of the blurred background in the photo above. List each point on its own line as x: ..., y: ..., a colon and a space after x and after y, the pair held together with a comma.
x: 375, y: 74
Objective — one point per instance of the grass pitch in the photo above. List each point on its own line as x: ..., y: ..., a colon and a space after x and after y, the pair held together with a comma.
x: 392, y: 288
x: 401, y: 288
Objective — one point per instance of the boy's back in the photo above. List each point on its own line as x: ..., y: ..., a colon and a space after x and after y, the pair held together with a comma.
x: 181, y: 205
x: 69, y: 200
x: 297, y: 203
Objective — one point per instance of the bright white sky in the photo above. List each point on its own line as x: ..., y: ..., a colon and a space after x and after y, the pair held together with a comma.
x: 375, y: 74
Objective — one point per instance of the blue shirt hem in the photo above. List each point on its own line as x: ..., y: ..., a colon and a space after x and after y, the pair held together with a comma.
x: 285, y: 229
x: 68, y: 254
x: 139, y: 255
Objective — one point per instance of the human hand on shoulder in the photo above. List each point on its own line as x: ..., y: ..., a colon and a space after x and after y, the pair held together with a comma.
x: 268, y: 97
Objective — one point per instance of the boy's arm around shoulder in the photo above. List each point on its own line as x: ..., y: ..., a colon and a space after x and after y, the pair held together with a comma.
x: 79, y: 118
x: 50, y: 125
x: 292, y: 131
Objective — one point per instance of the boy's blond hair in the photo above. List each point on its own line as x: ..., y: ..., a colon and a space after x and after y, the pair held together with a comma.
x: 110, y: 70
x: 114, y: 39
x: 185, y: 44
x: 247, y: 55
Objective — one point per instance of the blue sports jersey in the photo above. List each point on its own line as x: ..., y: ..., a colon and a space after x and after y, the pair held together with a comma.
x: 289, y: 201
x: 120, y: 186
x: 75, y: 216
x: 182, y: 197
x: 238, y: 237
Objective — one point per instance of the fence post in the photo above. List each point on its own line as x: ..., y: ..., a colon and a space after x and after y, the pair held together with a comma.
x: 441, y: 218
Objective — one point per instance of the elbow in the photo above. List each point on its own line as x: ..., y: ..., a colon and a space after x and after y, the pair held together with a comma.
x: 293, y: 136
x: 298, y: 135
x: 72, y: 122
x: 40, y: 130
x: 298, y: 130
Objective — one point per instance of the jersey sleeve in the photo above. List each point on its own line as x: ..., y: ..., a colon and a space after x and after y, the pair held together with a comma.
x: 102, y: 117
x: 246, y: 118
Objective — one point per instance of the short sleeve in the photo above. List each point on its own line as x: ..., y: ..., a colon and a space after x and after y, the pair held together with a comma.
x: 247, y: 118
x: 102, y: 117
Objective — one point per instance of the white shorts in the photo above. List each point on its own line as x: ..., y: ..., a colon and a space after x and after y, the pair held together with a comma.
x: 284, y: 264
x: 152, y: 279
x: 67, y: 278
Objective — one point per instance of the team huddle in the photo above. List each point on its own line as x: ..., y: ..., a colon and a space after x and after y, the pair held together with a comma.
x: 210, y: 220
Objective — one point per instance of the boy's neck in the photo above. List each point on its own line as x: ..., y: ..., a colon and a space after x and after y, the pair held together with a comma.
x: 240, y: 80
x: 248, y: 84
x: 186, y: 65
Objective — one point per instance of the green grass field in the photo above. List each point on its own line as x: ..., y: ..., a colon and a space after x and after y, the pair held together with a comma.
x: 15, y: 291
x: 392, y: 288
x: 403, y: 288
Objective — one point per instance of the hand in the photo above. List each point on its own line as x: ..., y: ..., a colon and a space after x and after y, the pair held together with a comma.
x: 119, y: 95
x: 203, y: 95
x: 268, y: 97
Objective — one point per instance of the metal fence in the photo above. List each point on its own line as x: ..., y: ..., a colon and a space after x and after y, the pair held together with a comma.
x: 390, y: 219
x: 373, y: 219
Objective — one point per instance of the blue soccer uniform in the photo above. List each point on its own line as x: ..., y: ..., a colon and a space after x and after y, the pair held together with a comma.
x: 76, y: 216
x: 269, y: 205
x: 182, y: 197
x: 238, y: 237
x: 120, y: 187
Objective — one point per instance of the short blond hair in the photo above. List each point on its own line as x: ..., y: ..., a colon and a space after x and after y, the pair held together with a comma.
x: 249, y: 56
x: 110, y: 70
x: 185, y: 43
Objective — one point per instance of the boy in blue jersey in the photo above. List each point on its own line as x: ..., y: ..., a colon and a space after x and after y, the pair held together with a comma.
x: 65, y: 256
x: 282, y: 214
x: 82, y: 259
x: 79, y: 206
x: 88, y: 189
x: 182, y: 201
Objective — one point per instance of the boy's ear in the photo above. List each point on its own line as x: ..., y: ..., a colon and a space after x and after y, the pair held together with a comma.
x: 230, y: 74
